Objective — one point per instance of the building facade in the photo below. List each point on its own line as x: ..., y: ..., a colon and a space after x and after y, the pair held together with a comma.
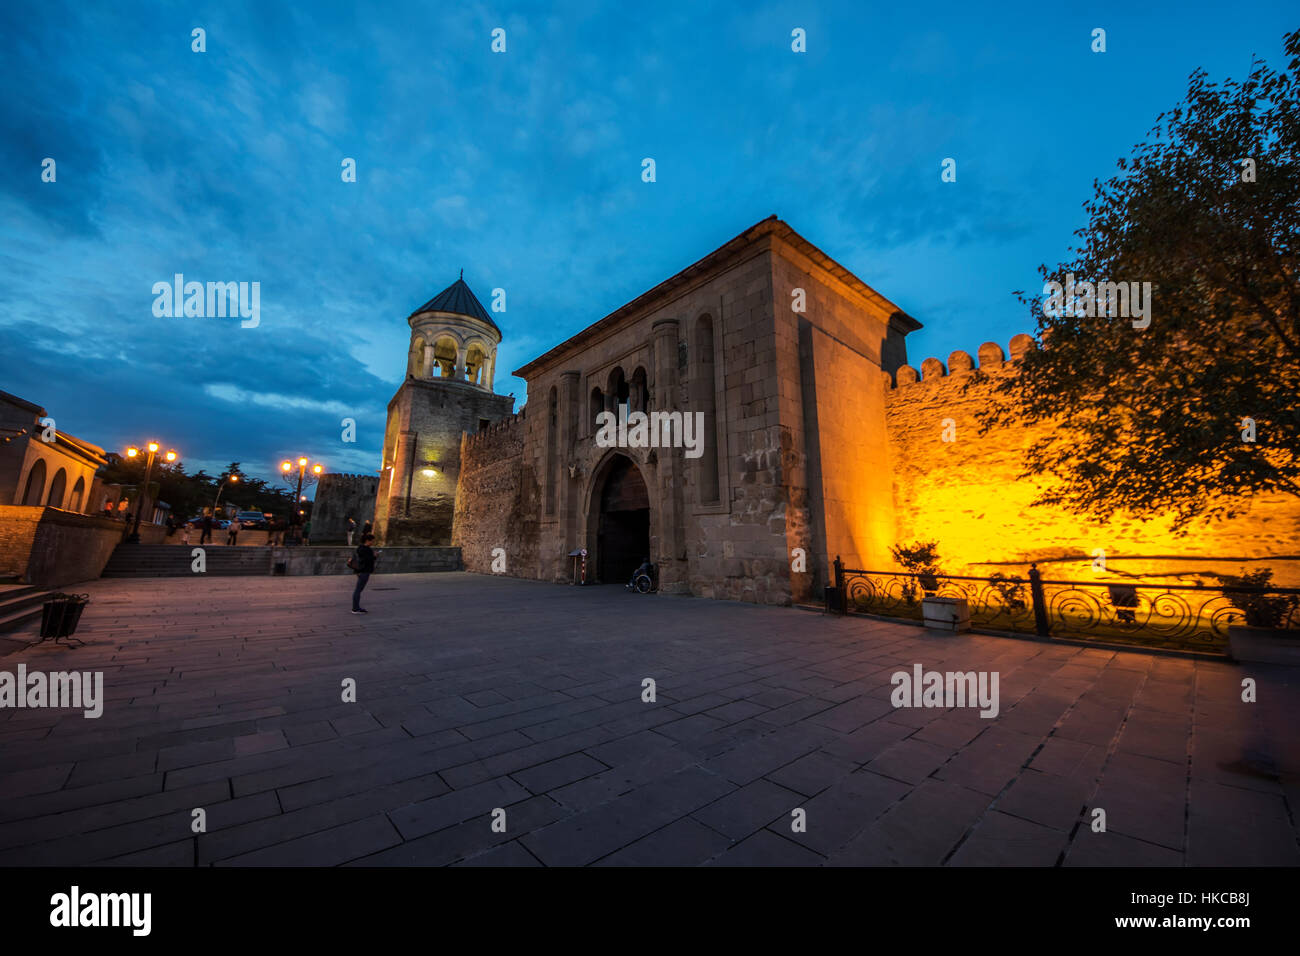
x: 42, y: 466
x: 765, y: 421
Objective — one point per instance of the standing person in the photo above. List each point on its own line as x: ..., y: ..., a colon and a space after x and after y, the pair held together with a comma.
x: 274, y: 538
x: 185, y: 532
x: 232, y: 533
x: 206, y: 524
x: 365, y: 529
x: 363, y: 563
x: 352, y: 529
x: 306, y: 533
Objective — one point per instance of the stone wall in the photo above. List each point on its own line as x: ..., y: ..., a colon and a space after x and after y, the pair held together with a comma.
x: 967, y: 495
x: 492, y: 509
x: 52, y: 548
x: 339, y: 497
x: 831, y: 355
x: 313, y: 560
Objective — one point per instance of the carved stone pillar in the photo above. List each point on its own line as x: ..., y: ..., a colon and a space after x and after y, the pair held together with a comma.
x: 569, y: 499
x: 672, y: 536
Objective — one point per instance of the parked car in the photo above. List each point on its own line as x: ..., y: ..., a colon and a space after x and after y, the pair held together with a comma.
x: 252, y: 520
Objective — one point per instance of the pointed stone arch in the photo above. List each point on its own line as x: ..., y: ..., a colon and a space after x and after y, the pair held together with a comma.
x: 620, y: 526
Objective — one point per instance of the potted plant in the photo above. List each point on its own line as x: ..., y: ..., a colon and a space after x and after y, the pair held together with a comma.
x: 1268, y: 635
x: 942, y: 613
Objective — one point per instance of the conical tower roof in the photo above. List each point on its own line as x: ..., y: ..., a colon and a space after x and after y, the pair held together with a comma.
x: 459, y: 300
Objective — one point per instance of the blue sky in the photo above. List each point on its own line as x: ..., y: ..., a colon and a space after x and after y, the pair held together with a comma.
x: 524, y: 169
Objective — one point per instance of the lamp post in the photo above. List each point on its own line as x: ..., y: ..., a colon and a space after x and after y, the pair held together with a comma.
x: 133, y: 452
x: 287, y: 467
x: 220, y: 488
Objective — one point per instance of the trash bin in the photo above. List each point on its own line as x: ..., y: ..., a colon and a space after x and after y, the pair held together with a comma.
x: 61, y: 614
x: 834, y: 603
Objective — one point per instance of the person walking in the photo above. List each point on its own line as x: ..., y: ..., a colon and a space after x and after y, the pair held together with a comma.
x: 363, y: 563
x: 232, y: 533
x: 352, y: 529
x: 206, y: 525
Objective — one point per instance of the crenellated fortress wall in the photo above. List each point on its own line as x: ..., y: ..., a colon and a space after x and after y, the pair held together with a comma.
x: 968, y: 494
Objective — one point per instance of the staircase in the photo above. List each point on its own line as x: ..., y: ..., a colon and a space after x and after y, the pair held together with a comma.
x: 174, y: 561
x: 20, y: 604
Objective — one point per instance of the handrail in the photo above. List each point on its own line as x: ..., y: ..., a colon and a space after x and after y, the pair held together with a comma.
x: 1142, y: 584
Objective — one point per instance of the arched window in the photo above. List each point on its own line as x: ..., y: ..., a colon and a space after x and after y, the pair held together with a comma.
x: 78, y: 495
x: 552, y: 450
x: 34, y: 492
x: 640, y: 391
x: 618, y: 389
x: 57, y: 487
x: 703, y: 399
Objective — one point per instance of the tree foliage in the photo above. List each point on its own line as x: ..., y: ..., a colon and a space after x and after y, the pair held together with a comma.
x: 1151, y: 421
x: 189, y: 494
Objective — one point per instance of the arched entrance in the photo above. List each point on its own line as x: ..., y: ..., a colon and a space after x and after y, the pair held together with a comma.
x: 621, y: 517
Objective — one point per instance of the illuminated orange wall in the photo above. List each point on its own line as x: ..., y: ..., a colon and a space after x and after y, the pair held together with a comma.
x: 966, y: 495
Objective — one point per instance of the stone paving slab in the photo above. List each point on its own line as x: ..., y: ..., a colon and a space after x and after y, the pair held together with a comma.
x: 500, y: 722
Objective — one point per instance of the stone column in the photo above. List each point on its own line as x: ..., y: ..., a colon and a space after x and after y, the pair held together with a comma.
x: 569, y: 501
x: 490, y: 372
x: 428, y: 361
x: 459, y: 374
x: 403, y: 469
x: 672, y: 537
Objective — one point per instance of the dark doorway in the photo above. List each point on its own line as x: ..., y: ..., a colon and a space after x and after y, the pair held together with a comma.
x: 623, y: 526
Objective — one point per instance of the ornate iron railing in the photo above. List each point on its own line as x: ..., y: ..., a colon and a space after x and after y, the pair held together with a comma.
x: 1183, y: 616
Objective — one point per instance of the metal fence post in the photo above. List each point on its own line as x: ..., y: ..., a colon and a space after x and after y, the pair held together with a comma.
x: 1040, y: 602
x: 839, y: 586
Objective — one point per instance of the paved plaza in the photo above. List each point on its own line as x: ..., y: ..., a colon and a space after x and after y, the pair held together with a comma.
x: 479, y: 694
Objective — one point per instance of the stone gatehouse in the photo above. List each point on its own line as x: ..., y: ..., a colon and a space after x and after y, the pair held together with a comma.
x: 818, y: 440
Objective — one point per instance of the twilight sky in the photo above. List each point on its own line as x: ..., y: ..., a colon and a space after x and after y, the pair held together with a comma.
x: 524, y: 168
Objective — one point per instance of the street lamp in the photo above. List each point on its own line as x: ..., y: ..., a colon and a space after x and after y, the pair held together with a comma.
x: 133, y: 452
x: 287, y: 467
x: 220, y: 488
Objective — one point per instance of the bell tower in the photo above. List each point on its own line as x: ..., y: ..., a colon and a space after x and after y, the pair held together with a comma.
x: 450, y: 367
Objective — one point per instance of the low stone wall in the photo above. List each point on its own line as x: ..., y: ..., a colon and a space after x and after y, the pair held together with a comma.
x: 390, y: 560
x: 49, y: 547
x: 246, y: 539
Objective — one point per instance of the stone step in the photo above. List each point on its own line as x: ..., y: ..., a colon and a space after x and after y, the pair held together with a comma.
x: 19, y: 605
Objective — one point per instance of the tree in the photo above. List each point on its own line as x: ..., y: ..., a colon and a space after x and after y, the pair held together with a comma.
x: 1198, y: 411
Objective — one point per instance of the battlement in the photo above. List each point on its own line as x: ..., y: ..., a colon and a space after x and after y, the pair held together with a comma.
x: 345, y: 484
x: 960, y: 364
x: 496, y: 431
